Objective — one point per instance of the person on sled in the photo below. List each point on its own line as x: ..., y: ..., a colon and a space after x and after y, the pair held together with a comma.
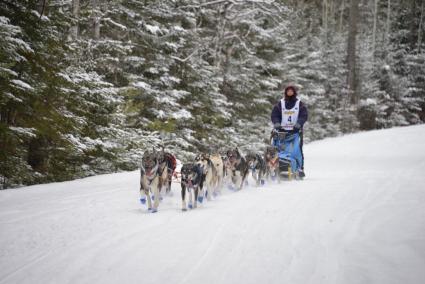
x: 290, y: 114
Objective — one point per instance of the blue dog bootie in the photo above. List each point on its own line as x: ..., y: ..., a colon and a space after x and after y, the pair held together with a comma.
x: 143, y: 200
x: 231, y: 187
x: 200, y: 199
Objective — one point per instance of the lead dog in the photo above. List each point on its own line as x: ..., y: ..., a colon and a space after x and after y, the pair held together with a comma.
x: 149, y: 179
x: 167, y: 165
x: 237, y: 167
x: 191, y: 180
x: 257, y: 165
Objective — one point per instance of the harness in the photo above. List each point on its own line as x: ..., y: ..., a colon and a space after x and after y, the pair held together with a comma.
x: 150, y: 178
x: 274, y: 162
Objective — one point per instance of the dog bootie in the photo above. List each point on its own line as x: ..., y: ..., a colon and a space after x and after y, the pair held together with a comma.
x: 190, y: 206
x: 143, y: 200
x: 200, y: 199
x: 154, y: 210
x: 262, y: 182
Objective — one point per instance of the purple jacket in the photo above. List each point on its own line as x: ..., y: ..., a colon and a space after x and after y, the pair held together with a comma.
x: 276, y: 115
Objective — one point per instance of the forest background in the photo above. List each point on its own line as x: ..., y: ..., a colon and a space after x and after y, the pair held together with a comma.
x: 87, y: 85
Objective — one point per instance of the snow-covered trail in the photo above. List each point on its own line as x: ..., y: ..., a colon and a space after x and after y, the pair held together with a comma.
x: 358, y: 217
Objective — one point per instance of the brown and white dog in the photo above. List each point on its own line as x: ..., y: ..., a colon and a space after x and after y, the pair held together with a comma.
x: 237, y: 167
x: 271, y: 158
x: 191, y: 181
x: 150, y: 180
x: 167, y: 165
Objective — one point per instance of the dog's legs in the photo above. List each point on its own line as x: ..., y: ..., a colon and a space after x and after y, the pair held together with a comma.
x: 209, y: 183
x: 195, y: 201
x: 243, y: 177
x: 237, y: 180
x: 170, y: 178
x: 256, y: 176
x: 148, y: 197
x: 156, y: 191
x: 219, y: 183
x: 183, y: 197
x: 144, y: 192
x: 190, y: 204
x: 200, y: 193
x: 277, y: 174
x: 261, y: 175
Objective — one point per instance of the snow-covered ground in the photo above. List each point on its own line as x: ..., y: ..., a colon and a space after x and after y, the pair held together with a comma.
x: 358, y: 217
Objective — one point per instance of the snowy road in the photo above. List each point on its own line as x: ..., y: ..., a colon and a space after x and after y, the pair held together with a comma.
x: 359, y: 217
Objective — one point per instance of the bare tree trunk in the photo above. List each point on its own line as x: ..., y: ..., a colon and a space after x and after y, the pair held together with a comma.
x: 387, y: 29
x: 95, y: 19
x: 375, y: 16
x: 341, y: 15
x: 420, y: 28
x: 352, y: 78
x: 73, y: 32
x: 325, y: 18
x: 41, y: 7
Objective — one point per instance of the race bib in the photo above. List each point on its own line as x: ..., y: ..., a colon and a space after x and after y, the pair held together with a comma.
x: 290, y: 116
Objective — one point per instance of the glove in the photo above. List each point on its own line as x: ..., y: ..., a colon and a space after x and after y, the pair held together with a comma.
x: 276, y: 126
x: 297, y: 126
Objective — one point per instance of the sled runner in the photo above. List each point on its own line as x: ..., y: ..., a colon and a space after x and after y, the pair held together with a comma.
x: 290, y: 159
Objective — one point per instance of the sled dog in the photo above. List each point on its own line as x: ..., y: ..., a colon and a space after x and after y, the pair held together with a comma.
x: 217, y: 161
x: 149, y: 179
x: 167, y: 165
x: 271, y: 158
x: 209, y: 173
x: 191, y: 181
x: 257, y: 166
x: 237, y: 167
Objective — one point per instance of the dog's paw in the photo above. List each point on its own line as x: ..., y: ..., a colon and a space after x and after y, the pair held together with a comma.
x: 262, y: 182
x: 190, y: 206
x: 184, y: 209
x: 200, y: 199
x: 149, y: 209
x: 231, y: 187
x: 154, y: 210
x: 143, y: 200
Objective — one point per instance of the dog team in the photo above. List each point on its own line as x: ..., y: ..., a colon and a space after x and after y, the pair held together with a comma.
x: 204, y: 177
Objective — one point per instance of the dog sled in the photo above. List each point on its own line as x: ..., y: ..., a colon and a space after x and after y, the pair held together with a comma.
x: 290, y: 158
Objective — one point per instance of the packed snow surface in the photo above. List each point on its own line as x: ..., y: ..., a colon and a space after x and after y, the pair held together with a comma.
x: 358, y: 217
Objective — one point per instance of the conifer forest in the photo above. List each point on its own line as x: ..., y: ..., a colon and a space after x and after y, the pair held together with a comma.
x: 86, y: 86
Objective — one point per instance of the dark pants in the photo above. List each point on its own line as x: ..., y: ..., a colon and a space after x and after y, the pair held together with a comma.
x: 301, y: 148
